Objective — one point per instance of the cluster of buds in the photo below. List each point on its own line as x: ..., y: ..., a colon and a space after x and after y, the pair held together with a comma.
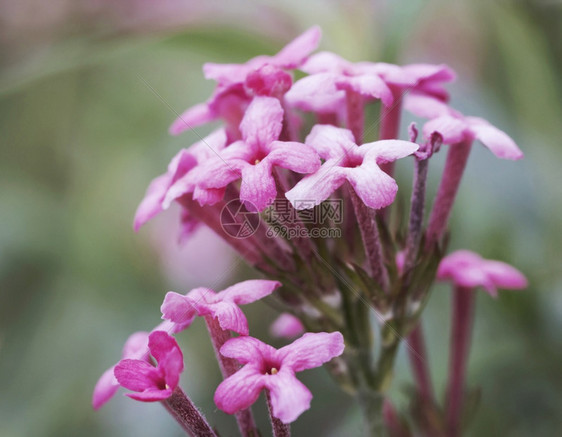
x: 296, y: 183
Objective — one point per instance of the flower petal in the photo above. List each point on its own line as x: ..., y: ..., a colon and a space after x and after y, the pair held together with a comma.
x: 296, y: 52
x: 151, y: 204
x: 228, y: 314
x: 262, y: 122
x: 325, y: 62
x: 136, y: 346
x: 453, y: 130
x: 247, y: 349
x: 311, y: 350
x: 316, y: 93
x: 151, y: 395
x: 193, y: 117
x: 289, y: 397
x: 505, y: 276
x: 258, y: 189
x: 375, y: 188
x: 426, y: 106
x: 294, y: 156
x: 239, y: 391
x: 499, y: 143
x: 137, y: 375
x: 330, y: 141
x: 165, y: 349
x: 368, y: 86
x: 178, y: 308
x: 387, y: 150
x: 317, y: 187
x: 246, y: 292
x: 105, y: 388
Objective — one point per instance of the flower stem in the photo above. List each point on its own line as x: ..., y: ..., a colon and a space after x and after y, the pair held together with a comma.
x: 187, y: 415
x: 457, y: 158
x: 463, y: 308
x: 355, y: 115
x: 228, y: 367
x: 279, y: 428
x: 419, y: 363
x: 371, y: 239
x: 390, y: 126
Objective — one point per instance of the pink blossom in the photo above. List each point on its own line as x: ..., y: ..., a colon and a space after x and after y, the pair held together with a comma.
x: 252, y: 159
x: 230, y: 99
x: 287, y: 326
x: 470, y: 270
x: 182, y: 309
x: 274, y: 370
x: 153, y: 383
x: 136, y: 348
x: 455, y: 127
x: 181, y: 164
x: 346, y: 161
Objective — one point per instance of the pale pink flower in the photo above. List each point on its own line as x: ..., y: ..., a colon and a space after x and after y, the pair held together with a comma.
x: 274, y: 370
x: 455, y: 127
x: 230, y: 99
x: 252, y: 159
x: 182, y: 309
x: 287, y: 326
x: 468, y: 269
x: 181, y: 164
x: 346, y: 161
x: 153, y: 383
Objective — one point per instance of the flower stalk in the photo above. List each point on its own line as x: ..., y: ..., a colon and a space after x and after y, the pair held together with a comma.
x: 187, y: 415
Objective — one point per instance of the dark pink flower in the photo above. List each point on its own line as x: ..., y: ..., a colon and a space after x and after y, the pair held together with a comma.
x: 182, y: 309
x: 252, y: 159
x: 274, y: 370
x: 470, y: 270
x: 287, y: 326
x: 455, y: 127
x: 346, y: 161
x: 181, y: 164
x: 230, y: 99
x: 136, y: 348
x: 153, y: 383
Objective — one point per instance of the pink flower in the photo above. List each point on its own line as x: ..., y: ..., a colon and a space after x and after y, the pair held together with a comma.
x: 454, y: 127
x: 274, y: 370
x: 331, y: 75
x: 136, y: 348
x: 231, y: 98
x: 346, y: 161
x: 287, y: 326
x: 153, y: 383
x: 181, y: 164
x: 470, y: 270
x: 252, y: 159
x: 182, y: 309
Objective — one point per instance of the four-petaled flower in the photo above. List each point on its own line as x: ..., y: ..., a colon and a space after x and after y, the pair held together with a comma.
x: 230, y: 99
x: 252, y: 159
x: 153, y: 383
x: 136, y: 348
x: 455, y: 127
x: 345, y: 160
x: 274, y: 370
x: 223, y: 306
x: 184, y: 161
x: 469, y: 270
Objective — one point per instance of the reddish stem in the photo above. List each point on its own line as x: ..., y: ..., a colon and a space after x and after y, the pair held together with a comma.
x: 390, y: 125
x: 187, y: 414
x: 457, y: 158
x: 279, y: 428
x: 355, y: 115
x: 228, y: 367
x: 463, y: 308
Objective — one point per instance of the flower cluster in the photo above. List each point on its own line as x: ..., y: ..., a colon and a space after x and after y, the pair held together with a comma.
x: 289, y: 146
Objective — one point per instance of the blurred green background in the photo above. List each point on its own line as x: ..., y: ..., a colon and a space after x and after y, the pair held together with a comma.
x: 82, y: 134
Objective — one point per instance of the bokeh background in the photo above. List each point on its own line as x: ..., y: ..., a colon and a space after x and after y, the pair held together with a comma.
x: 87, y: 91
